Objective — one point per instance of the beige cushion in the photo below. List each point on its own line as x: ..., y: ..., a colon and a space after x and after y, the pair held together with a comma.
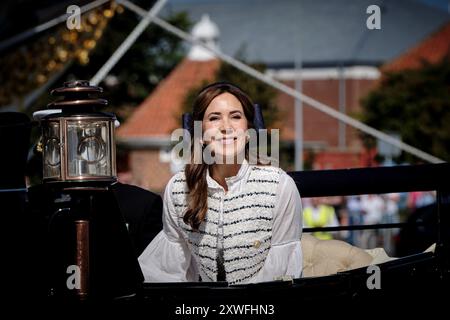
x: 325, y: 257
x: 379, y: 255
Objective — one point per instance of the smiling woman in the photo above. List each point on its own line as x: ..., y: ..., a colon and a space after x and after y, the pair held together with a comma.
x: 224, y: 125
x: 230, y: 220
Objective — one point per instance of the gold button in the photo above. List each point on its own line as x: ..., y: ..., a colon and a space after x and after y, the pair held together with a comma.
x: 256, y: 244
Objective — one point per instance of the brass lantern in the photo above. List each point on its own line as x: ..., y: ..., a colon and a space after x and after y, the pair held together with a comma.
x: 77, y: 140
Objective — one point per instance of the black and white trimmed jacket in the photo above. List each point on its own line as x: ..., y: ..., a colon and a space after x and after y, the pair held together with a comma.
x: 256, y: 226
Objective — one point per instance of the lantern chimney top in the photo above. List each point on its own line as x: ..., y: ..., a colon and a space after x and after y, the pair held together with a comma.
x: 77, y: 95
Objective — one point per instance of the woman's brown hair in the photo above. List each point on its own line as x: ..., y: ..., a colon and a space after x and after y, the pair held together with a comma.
x: 196, y: 173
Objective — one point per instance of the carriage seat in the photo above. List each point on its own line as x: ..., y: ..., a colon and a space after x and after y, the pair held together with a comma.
x: 326, y: 257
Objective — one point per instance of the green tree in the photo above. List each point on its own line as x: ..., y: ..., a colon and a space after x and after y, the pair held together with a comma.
x: 415, y: 104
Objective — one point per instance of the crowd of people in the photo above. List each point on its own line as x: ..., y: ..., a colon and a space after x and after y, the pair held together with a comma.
x: 364, y: 210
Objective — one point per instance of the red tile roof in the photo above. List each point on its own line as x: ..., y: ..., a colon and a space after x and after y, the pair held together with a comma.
x: 157, y: 115
x: 433, y: 49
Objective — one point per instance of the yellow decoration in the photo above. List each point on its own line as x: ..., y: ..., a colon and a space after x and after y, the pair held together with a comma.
x: 51, y: 65
x: 83, y: 57
x: 92, y: 18
x: 41, y: 78
x: 73, y: 36
x: 89, y: 44
x: 108, y: 13
x: 98, y: 34
x: 61, y: 53
x: 42, y: 56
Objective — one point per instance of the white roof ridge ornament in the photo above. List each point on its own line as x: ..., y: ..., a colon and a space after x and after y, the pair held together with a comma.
x: 206, y: 31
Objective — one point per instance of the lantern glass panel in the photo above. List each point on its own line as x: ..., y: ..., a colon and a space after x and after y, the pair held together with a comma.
x: 88, y: 148
x: 51, y: 152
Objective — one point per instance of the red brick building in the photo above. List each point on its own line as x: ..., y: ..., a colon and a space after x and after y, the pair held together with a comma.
x: 146, y: 134
x: 339, y: 84
x: 432, y: 50
x: 321, y: 133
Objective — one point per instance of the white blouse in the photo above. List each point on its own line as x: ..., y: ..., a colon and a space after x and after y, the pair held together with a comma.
x: 168, y: 258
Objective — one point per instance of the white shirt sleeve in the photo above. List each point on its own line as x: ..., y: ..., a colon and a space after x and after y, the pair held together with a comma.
x: 285, y: 255
x: 167, y: 258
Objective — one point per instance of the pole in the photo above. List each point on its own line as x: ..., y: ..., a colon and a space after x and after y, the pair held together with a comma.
x: 286, y: 89
x: 342, y: 103
x: 298, y: 116
x: 123, y: 48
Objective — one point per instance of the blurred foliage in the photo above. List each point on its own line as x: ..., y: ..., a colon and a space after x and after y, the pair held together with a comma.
x: 29, y: 67
x: 416, y: 105
x: 149, y: 60
x: 57, y: 55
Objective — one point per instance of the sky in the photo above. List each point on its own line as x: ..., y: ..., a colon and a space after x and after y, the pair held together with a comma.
x: 440, y: 4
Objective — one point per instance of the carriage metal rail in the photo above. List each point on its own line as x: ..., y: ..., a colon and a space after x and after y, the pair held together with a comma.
x: 379, y: 180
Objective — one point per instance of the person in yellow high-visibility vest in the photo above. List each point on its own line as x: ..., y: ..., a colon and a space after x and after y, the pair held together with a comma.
x: 320, y: 215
